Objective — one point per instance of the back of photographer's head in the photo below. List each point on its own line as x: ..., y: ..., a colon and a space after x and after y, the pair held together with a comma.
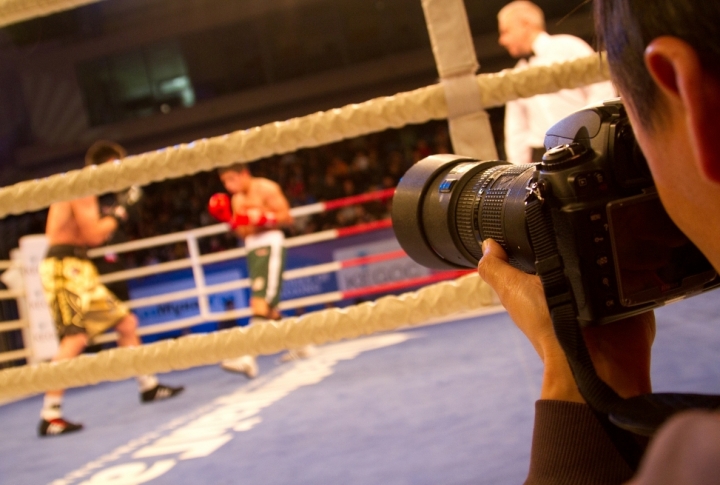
x: 664, y: 57
x: 626, y: 28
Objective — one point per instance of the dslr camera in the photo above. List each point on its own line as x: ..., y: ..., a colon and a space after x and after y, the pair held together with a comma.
x: 602, y: 222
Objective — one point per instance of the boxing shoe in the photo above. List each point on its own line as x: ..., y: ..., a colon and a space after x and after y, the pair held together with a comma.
x: 159, y: 393
x: 242, y: 365
x: 297, y: 354
x: 57, y: 426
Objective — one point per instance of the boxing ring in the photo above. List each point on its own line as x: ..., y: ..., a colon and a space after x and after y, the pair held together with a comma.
x: 383, y: 401
x: 12, y: 325
x: 202, y: 290
x: 460, y: 97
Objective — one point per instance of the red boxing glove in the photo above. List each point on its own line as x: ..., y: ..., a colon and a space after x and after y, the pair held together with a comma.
x: 220, y: 208
x: 256, y: 217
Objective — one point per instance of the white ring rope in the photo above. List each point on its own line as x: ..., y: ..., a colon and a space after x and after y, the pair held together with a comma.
x: 387, y: 313
x: 322, y: 128
x: 296, y: 241
x: 10, y: 325
x: 13, y: 11
x: 181, y: 236
x: 288, y: 275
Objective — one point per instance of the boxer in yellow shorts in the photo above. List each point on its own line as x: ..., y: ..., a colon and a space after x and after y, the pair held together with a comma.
x: 78, y: 301
x: 81, y: 306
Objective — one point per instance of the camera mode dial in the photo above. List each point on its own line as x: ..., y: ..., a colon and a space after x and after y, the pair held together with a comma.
x: 563, y: 156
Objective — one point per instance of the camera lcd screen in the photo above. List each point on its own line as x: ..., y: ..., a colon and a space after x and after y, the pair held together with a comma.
x: 654, y: 260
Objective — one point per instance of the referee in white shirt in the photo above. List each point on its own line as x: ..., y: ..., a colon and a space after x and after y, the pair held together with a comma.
x: 522, y: 33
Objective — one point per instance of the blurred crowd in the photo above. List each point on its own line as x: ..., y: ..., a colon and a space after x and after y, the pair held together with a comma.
x: 350, y: 167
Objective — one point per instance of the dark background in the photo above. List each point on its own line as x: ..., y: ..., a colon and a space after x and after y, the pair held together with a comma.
x: 153, y: 73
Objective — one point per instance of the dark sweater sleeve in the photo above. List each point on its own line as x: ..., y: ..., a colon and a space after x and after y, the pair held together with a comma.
x: 570, y: 447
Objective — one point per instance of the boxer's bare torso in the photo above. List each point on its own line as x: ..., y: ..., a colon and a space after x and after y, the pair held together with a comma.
x: 256, y: 194
x: 78, y: 223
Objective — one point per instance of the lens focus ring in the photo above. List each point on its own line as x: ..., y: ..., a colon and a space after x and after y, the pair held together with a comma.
x: 491, y: 215
x: 465, y: 216
x: 490, y: 203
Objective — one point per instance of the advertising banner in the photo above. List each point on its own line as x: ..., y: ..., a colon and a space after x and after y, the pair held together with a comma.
x: 40, y: 337
x: 298, y: 257
x: 375, y: 273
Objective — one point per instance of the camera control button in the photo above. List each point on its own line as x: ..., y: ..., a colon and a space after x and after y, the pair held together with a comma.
x: 596, y: 217
x: 582, y: 181
x: 606, y: 282
x: 602, y: 260
x: 563, y: 156
x: 599, y: 178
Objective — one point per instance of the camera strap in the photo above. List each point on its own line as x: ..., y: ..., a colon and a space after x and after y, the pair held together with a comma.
x: 624, y: 419
x: 561, y: 302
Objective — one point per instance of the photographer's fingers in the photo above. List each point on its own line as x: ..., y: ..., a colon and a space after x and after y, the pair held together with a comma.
x: 523, y: 297
x: 495, y: 270
x: 621, y: 352
x: 521, y: 294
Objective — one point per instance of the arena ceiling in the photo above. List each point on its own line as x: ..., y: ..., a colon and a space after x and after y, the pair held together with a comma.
x: 50, y: 50
x: 16, y: 11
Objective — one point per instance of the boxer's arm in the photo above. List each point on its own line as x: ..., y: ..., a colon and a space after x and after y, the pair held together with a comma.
x: 233, y: 213
x: 94, y: 229
x: 277, y: 203
x: 274, y: 209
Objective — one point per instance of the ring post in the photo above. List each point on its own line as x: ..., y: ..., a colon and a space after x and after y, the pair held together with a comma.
x: 198, y: 275
x: 457, y: 63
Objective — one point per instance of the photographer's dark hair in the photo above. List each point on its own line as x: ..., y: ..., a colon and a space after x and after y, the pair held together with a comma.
x: 626, y: 27
x: 103, y: 151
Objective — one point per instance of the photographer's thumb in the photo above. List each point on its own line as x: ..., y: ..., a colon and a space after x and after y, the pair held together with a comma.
x: 493, y: 267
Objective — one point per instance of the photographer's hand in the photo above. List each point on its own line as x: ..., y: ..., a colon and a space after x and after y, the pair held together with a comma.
x: 620, y: 351
x: 522, y: 296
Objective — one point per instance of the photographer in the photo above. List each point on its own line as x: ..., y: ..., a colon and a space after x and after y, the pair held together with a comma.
x: 663, y: 57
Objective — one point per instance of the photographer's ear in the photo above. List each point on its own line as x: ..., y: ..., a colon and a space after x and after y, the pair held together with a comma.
x: 692, y: 93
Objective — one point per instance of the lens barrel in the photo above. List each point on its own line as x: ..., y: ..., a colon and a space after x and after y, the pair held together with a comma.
x: 446, y: 205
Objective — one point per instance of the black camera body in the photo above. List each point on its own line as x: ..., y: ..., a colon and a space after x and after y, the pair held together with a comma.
x: 620, y: 252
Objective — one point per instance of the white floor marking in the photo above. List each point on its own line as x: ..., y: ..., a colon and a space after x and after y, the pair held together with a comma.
x: 206, y: 429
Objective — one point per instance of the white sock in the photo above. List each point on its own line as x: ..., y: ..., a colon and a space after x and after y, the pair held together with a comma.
x: 52, y: 408
x: 146, y: 382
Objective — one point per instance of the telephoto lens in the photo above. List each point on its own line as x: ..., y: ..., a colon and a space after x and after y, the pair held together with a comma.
x: 445, y: 206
